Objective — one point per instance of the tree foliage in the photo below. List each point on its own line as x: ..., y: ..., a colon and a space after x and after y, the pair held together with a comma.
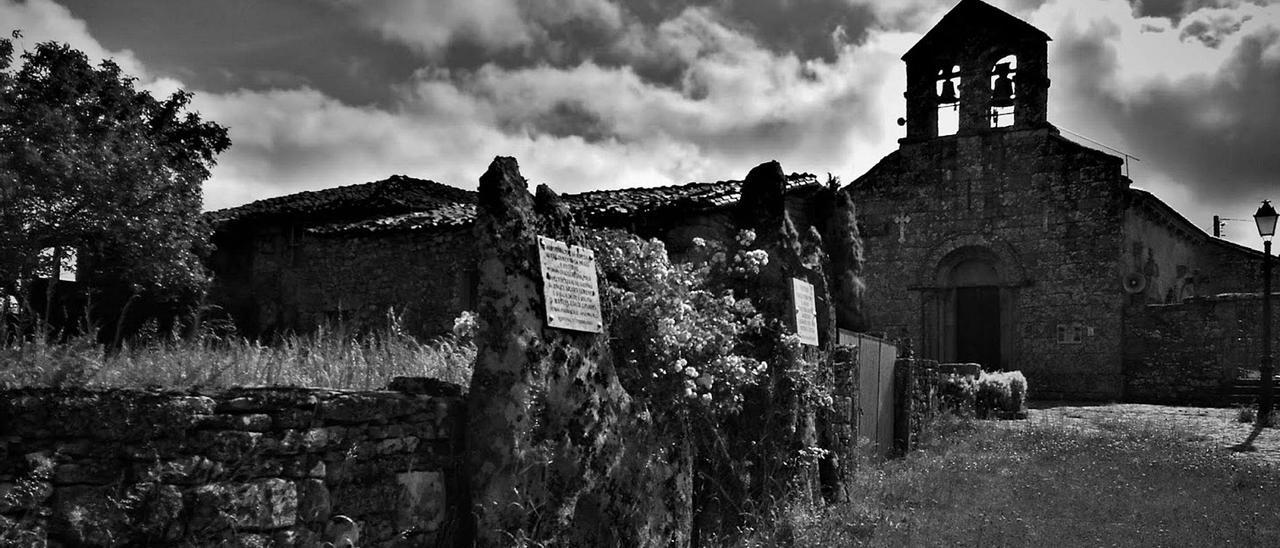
x: 90, y: 163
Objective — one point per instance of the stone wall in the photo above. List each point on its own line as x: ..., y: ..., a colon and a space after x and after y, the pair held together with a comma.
x: 1191, y: 352
x: 245, y: 466
x: 288, y: 279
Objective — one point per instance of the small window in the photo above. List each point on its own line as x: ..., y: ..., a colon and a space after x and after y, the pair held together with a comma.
x: 1071, y: 333
x: 58, y: 259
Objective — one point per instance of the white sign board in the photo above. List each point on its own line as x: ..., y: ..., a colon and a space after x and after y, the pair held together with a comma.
x: 572, y: 296
x: 806, y: 311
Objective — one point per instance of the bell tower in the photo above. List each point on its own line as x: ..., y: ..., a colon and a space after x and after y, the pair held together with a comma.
x: 978, y: 70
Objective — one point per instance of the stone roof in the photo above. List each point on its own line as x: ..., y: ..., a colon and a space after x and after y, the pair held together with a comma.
x: 594, y: 207
x: 394, y: 195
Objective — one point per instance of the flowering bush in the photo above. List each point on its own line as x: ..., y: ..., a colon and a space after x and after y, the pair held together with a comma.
x: 693, y: 350
x: 675, y: 332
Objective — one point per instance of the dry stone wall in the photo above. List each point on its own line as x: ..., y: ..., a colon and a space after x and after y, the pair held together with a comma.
x: 242, y: 467
x: 1192, y: 351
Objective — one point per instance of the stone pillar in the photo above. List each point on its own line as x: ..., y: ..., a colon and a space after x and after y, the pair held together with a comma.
x: 555, y: 452
x: 788, y: 414
x: 543, y: 402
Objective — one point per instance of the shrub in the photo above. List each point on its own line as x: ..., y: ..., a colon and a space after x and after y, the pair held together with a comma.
x: 957, y: 393
x: 1002, y: 393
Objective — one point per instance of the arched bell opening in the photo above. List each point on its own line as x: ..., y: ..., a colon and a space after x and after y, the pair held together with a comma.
x: 1003, y: 91
x: 946, y: 88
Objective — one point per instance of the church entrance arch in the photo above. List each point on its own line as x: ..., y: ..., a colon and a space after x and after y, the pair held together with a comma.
x: 969, y: 308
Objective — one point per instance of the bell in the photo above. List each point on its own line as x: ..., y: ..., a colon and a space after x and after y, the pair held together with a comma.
x: 1002, y: 92
x: 948, y: 94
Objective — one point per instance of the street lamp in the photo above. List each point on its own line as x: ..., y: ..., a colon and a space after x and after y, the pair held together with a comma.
x: 1266, y: 219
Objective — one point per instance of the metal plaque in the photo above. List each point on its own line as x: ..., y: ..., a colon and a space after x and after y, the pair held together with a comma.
x: 806, y: 311
x: 569, y: 286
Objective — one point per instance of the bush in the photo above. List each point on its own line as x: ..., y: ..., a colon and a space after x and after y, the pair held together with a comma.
x: 957, y: 393
x: 1001, y: 394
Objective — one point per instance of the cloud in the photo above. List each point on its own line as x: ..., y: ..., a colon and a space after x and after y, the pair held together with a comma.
x: 603, y: 94
x: 1196, y: 97
x: 582, y: 127
x: 43, y: 21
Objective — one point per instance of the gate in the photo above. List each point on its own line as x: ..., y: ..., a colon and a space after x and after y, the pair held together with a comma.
x: 875, y: 389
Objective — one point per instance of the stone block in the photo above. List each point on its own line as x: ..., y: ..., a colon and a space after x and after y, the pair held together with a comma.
x: 260, y: 505
x: 313, y: 501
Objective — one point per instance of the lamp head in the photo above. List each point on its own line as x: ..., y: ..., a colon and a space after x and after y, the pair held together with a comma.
x: 1266, y: 219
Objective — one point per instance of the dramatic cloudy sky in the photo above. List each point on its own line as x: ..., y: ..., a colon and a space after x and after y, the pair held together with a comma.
x: 592, y: 94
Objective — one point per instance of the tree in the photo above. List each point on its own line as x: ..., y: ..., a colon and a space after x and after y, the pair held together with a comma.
x: 93, y: 167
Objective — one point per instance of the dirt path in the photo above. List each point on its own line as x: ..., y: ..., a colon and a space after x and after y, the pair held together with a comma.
x: 1217, y: 427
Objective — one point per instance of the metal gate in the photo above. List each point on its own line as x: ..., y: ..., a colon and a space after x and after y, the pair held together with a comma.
x: 875, y: 408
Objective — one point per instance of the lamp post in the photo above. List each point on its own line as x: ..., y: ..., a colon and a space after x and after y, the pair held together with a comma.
x: 1266, y: 219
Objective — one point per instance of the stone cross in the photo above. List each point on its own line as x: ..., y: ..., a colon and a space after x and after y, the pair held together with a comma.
x: 902, y: 220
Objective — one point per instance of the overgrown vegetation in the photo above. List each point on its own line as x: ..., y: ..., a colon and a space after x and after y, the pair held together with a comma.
x: 1044, y: 483
x: 100, y: 177
x: 333, y: 356
x: 695, y: 353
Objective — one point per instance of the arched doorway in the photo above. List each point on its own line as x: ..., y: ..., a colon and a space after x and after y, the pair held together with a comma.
x: 969, y: 306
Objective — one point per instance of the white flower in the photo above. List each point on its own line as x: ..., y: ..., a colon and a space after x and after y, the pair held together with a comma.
x: 691, y: 372
x: 699, y: 242
x: 705, y: 381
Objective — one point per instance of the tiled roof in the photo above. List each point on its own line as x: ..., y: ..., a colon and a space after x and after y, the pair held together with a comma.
x: 441, y: 216
x: 397, y: 194
x: 593, y: 206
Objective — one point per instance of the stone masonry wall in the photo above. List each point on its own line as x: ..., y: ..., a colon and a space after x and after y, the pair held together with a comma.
x: 1047, y: 212
x: 1191, y: 352
x: 427, y: 277
x: 245, y: 466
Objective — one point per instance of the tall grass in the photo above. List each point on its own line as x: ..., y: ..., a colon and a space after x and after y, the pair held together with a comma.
x: 331, y: 357
x: 1122, y: 483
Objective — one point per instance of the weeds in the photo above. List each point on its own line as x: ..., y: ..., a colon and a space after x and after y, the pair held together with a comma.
x: 330, y: 357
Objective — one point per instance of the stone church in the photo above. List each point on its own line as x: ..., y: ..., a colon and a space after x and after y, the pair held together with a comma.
x: 988, y: 237
x: 991, y: 238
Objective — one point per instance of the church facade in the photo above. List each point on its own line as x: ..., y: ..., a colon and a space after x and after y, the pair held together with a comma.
x: 991, y: 238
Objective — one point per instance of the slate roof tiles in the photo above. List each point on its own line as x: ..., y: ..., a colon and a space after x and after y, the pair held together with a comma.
x: 407, y: 204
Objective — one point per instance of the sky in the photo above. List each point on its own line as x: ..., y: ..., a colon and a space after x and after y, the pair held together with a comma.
x: 598, y: 94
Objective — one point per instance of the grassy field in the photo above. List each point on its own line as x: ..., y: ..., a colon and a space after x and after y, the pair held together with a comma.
x: 328, y: 358
x: 1045, y: 483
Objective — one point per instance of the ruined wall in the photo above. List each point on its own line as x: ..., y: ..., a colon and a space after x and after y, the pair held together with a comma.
x: 1045, y: 211
x: 249, y: 466
x: 1190, y: 352
x: 428, y: 276
x: 293, y: 280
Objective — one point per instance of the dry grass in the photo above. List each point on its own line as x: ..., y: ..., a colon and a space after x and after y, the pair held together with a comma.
x: 330, y: 358
x: 1118, y: 483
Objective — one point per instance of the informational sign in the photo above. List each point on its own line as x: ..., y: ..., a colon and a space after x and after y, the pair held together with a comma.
x: 806, y: 311
x: 569, y: 285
